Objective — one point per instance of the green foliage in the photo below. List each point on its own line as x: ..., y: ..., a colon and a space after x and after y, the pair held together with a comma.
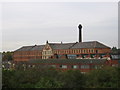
x: 50, y: 78
x: 72, y: 79
x: 6, y: 76
x: 106, y: 77
x: 46, y: 82
x: 114, y: 50
x: 7, y: 56
x: 118, y: 70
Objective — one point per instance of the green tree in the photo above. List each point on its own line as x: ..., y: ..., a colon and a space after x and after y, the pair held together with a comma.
x: 106, y: 77
x: 25, y: 78
x: 47, y: 82
x: 7, y: 56
x: 6, y: 76
x: 28, y: 78
x: 118, y: 75
x: 72, y: 79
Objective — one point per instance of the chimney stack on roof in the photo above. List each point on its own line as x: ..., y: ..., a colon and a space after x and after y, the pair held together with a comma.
x: 47, y: 41
x: 80, y: 32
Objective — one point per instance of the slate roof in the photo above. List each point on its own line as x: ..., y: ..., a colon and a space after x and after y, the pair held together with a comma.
x: 92, y: 44
x: 30, y: 48
x: 61, y: 46
x: 68, y: 61
x: 38, y: 47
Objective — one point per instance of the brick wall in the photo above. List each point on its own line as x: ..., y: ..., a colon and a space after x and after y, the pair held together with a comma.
x: 27, y: 55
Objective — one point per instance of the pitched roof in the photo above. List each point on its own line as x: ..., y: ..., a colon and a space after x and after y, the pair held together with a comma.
x: 68, y: 61
x: 92, y: 44
x: 37, y: 47
x: 24, y: 48
x: 61, y: 45
x: 30, y: 48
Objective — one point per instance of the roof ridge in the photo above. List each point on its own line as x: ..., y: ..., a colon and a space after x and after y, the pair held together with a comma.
x: 61, y: 43
x: 88, y: 41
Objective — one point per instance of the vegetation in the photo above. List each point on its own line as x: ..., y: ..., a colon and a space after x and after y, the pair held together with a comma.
x: 103, y: 78
x: 114, y: 50
x: 107, y: 77
x: 7, y: 56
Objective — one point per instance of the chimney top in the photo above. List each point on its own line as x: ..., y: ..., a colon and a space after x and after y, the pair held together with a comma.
x: 47, y: 41
x: 80, y: 26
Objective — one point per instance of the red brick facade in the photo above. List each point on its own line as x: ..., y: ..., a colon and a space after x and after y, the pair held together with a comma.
x: 48, y: 52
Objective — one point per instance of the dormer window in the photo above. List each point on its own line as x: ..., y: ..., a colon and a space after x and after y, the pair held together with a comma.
x: 96, y: 51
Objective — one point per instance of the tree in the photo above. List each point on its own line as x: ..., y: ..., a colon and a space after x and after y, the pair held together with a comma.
x: 72, y: 79
x: 106, y: 77
x: 115, y: 50
x: 47, y: 82
x: 7, y: 56
x: 6, y: 76
x: 31, y: 78
x: 118, y: 75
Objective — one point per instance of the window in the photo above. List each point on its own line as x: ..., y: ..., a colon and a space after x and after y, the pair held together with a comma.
x: 63, y: 66
x: 95, y: 66
x: 96, y: 51
x: 53, y: 66
x: 29, y: 65
x: 85, y: 66
x: 92, y: 51
x: 70, y: 51
x: 33, y: 66
x: 87, y: 51
x: 65, y: 51
x: 58, y: 52
x: 84, y: 51
x: 71, y: 56
x: 75, y: 66
x: 80, y: 51
x: 73, y: 51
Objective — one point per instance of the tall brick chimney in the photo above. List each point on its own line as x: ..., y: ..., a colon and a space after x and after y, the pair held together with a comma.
x: 80, y: 32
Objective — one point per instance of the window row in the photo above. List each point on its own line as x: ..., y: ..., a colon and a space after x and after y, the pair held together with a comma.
x: 80, y: 66
x: 46, y: 52
x: 75, y: 51
x: 46, y: 57
x: 76, y: 66
x: 72, y: 66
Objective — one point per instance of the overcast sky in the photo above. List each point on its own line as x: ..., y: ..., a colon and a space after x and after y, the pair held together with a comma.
x: 25, y: 24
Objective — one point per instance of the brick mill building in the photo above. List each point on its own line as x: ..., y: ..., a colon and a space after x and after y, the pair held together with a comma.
x: 83, y: 56
x: 77, y: 50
